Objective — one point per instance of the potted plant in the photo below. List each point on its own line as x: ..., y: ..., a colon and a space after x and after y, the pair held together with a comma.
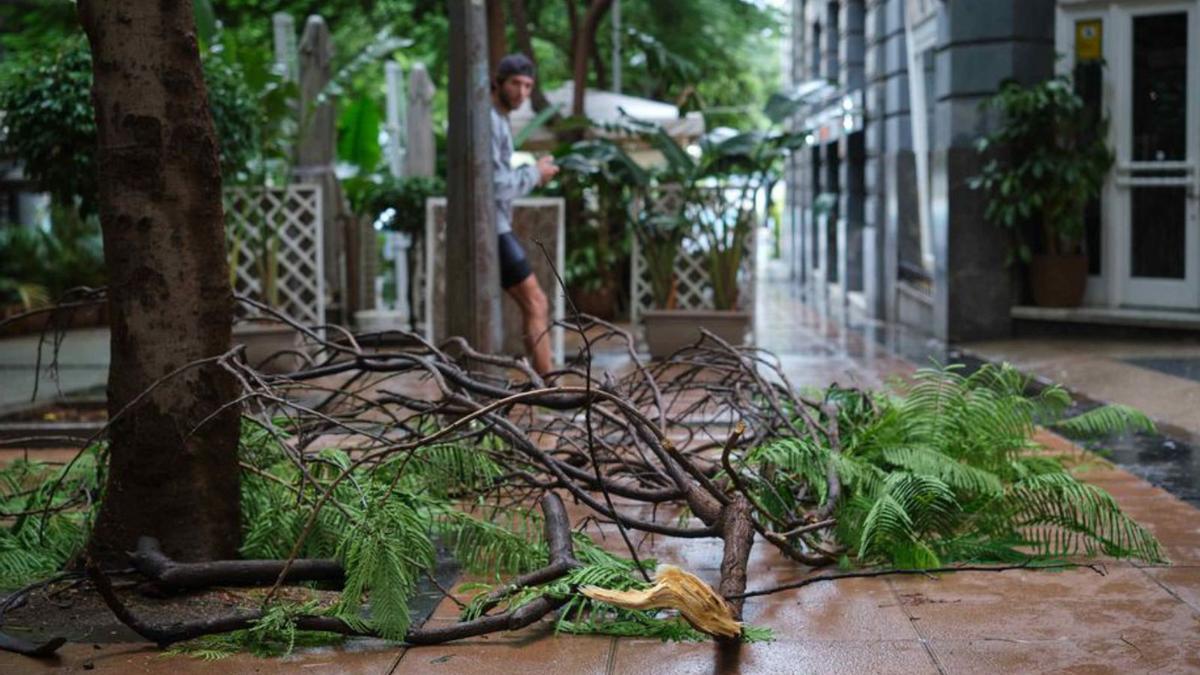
x: 397, y: 207
x: 718, y: 214
x: 599, y: 181
x: 1046, y: 161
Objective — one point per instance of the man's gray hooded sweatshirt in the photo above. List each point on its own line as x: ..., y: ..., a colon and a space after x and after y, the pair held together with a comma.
x: 509, y: 183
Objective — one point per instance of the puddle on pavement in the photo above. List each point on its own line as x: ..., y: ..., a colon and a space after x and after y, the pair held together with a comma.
x: 1185, y: 367
x: 1168, y: 458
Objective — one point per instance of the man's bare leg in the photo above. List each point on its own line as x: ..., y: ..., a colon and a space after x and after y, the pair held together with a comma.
x: 535, y: 310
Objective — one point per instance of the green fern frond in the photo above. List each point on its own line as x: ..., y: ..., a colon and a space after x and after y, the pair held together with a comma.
x: 383, y: 556
x: 958, y: 475
x: 1063, y: 516
x: 1105, y: 420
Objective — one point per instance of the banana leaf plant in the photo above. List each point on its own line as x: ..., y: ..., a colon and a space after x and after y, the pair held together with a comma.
x: 721, y: 191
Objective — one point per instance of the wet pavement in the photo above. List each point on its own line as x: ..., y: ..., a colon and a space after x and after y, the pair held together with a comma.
x: 1120, y: 618
x: 1159, y: 377
x: 76, y: 362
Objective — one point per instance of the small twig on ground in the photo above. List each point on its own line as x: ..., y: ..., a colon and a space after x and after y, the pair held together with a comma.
x: 1095, y: 567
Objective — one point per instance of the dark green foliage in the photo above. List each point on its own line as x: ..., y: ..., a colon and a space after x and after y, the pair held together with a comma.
x: 50, y: 520
x: 274, y: 635
x: 404, y: 197
x: 50, y: 125
x: 37, y: 266
x: 1053, y: 159
x: 948, y: 471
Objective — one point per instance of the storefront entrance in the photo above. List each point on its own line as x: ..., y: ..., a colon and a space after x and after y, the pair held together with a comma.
x: 1139, y: 61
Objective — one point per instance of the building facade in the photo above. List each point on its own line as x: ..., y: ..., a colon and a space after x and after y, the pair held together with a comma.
x: 880, y: 211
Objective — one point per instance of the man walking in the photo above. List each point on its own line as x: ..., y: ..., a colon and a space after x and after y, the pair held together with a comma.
x: 512, y: 85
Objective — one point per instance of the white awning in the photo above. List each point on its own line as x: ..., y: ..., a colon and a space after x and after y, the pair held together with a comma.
x: 606, y: 107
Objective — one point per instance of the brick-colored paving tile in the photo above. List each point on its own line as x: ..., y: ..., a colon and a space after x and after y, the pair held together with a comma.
x: 637, y: 657
x: 144, y: 658
x: 1089, y: 656
x: 853, y: 609
x: 1183, y: 582
x: 542, y: 653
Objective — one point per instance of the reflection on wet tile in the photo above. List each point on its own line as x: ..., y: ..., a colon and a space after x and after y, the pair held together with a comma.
x: 782, y: 657
x: 1188, y: 367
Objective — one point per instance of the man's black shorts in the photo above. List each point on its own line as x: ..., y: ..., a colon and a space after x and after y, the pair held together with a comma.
x: 514, y: 266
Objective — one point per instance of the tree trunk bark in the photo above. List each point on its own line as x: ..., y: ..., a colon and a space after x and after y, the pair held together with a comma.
x: 585, y: 37
x: 497, y: 39
x: 520, y: 21
x: 169, y: 293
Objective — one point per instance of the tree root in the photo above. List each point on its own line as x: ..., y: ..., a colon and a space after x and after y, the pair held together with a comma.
x: 153, y: 563
x: 562, y: 560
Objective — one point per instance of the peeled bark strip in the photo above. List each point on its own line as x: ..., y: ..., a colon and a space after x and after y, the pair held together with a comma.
x: 676, y: 589
x: 169, y: 293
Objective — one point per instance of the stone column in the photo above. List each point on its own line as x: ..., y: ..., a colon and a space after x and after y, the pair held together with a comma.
x: 473, y: 290
x: 875, y: 286
x: 987, y: 43
x: 851, y: 150
x: 315, y: 157
x: 420, y: 155
x: 898, y: 169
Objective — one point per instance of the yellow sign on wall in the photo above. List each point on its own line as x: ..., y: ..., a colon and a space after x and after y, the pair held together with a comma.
x: 1089, y: 40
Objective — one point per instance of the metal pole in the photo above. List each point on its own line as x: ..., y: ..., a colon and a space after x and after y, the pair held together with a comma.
x: 473, y: 290
x: 283, y: 28
x: 397, y: 99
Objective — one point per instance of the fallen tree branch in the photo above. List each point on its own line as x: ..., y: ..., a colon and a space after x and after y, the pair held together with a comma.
x: 152, y: 562
x: 1095, y: 567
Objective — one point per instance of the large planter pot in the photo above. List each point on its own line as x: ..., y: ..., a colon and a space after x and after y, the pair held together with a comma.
x: 669, y: 330
x: 271, y: 347
x: 380, y: 320
x: 87, y: 316
x: 1058, y: 280
x: 599, y: 302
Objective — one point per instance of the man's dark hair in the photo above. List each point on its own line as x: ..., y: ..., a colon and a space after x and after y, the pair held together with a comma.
x: 514, y: 64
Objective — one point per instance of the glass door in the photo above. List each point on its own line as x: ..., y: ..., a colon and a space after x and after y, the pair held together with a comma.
x: 1156, y: 177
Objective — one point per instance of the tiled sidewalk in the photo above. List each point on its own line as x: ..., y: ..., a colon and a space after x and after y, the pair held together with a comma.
x: 1129, y: 619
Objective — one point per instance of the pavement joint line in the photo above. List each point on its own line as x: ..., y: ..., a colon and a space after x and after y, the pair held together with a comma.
x: 1169, y: 590
x: 913, y: 622
x: 396, y: 663
x: 610, y: 665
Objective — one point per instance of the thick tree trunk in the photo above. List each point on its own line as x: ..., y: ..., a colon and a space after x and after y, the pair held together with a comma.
x: 497, y: 39
x: 164, y: 245
x: 520, y: 21
x: 584, y: 38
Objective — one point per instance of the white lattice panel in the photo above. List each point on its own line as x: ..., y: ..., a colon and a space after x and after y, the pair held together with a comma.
x: 290, y: 217
x: 693, y: 290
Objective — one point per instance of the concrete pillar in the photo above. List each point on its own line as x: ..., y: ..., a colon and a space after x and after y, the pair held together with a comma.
x: 851, y: 148
x: 986, y: 43
x: 875, y: 144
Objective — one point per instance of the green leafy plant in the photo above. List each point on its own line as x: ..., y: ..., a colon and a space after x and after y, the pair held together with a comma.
x: 722, y: 187
x: 38, y: 266
x: 50, y: 127
x: 948, y: 471
x: 398, y: 202
x: 1050, y: 159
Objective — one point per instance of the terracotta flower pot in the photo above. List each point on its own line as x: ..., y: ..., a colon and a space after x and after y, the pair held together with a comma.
x: 271, y: 347
x: 668, y: 330
x: 1058, y: 280
x: 598, y: 302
